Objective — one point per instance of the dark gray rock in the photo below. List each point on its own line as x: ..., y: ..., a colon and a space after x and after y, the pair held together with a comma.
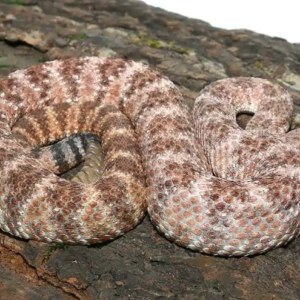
x: 142, y: 264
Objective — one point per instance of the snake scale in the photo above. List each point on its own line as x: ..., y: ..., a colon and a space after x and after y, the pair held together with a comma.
x: 207, y: 184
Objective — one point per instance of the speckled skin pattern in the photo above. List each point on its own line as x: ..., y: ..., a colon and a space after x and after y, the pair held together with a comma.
x: 211, y: 186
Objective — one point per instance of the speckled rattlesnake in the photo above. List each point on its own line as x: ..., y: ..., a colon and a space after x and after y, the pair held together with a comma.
x: 244, y: 201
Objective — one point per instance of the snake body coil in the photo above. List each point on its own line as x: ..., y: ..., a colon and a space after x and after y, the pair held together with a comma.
x: 208, y: 184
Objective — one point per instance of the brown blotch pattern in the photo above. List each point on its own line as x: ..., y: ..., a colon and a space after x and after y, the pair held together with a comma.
x: 207, y: 184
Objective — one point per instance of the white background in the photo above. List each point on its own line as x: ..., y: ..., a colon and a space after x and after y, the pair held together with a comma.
x: 273, y: 18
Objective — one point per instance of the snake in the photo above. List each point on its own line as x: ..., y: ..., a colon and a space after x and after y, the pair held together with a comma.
x: 207, y: 184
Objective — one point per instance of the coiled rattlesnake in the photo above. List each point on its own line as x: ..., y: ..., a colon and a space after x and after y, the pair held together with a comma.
x: 211, y: 187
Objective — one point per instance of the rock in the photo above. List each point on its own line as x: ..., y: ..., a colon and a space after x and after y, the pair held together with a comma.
x: 142, y: 264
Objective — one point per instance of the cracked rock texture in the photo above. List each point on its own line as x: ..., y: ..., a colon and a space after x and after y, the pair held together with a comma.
x: 142, y: 264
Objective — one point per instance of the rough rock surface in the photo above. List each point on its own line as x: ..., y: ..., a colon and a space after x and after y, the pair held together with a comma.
x: 142, y: 264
